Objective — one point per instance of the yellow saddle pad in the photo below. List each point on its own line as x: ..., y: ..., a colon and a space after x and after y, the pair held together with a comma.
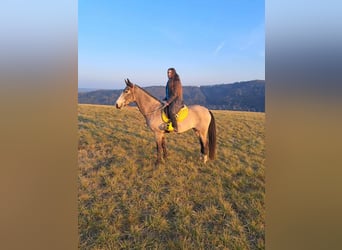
x: 181, y: 115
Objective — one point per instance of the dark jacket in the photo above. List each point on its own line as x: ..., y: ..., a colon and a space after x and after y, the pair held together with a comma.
x: 174, y: 95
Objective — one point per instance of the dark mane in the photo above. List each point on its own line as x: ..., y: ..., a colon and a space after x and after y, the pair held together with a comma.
x: 148, y: 93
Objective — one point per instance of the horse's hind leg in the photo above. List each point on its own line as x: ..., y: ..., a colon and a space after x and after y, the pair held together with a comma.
x: 202, y: 136
x: 204, y: 147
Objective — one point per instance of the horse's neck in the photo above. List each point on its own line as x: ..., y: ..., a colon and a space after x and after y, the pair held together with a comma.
x: 146, y: 103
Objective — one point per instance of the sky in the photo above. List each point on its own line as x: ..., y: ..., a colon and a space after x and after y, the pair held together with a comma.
x: 206, y: 41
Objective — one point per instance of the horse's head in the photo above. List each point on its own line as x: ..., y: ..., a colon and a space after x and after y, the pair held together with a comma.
x: 127, y: 95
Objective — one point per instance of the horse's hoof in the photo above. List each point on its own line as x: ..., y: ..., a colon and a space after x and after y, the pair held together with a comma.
x: 204, y: 158
x: 157, y: 163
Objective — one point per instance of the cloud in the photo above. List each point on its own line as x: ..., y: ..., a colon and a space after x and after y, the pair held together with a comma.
x: 254, y: 39
x: 219, y: 47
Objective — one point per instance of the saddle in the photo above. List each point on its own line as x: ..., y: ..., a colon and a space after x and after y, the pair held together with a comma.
x: 180, y: 116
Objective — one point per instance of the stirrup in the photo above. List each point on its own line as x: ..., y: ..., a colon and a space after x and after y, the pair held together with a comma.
x: 169, y: 127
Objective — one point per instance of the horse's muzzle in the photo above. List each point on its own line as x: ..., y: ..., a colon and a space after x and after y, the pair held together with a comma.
x: 117, y: 106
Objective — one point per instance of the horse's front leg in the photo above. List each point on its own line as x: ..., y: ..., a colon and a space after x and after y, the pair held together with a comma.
x: 164, y: 147
x: 159, y: 140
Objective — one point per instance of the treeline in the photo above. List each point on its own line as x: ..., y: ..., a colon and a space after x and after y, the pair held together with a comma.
x: 242, y: 96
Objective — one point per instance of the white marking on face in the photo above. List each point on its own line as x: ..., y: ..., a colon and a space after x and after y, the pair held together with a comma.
x: 120, y: 101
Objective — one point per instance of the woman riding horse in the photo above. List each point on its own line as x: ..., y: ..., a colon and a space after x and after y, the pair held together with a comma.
x: 199, y: 118
x: 174, y: 96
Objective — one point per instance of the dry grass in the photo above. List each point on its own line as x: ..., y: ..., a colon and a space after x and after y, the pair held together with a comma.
x: 127, y: 203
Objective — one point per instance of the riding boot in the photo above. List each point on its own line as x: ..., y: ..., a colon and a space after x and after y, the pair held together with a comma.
x: 174, y: 122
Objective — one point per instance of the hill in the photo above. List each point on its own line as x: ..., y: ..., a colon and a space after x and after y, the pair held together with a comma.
x: 126, y: 203
x: 80, y: 90
x: 242, y: 96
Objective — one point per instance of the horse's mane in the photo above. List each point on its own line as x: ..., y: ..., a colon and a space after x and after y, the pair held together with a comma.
x: 148, y: 93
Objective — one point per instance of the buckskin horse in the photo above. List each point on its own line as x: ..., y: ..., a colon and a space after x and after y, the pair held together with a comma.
x: 199, y: 118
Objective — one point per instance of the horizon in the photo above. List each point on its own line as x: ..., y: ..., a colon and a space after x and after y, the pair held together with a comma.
x: 161, y: 85
x: 206, y: 42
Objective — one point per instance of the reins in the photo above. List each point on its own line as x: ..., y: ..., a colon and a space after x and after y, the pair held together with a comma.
x: 160, y: 108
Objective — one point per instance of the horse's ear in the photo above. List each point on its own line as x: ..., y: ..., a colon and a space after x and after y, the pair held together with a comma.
x: 128, y: 83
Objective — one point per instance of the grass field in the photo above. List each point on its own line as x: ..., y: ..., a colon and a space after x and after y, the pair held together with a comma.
x: 124, y: 202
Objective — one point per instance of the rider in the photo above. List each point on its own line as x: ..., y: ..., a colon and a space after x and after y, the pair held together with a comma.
x: 174, y: 96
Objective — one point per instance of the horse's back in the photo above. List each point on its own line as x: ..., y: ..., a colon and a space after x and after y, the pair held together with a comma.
x: 198, y: 115
x: 198, y: 109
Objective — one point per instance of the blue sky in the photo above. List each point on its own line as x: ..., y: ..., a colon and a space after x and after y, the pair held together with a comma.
x: 208, y: 42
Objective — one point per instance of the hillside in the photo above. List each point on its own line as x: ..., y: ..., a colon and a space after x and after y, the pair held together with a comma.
x: 242, y: 96
x: 126, y: 203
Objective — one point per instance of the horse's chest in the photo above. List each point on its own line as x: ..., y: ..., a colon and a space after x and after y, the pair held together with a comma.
x: 153, y: 123
x: 150, y: 123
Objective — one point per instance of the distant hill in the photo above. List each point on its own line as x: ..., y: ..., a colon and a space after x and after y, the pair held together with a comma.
x: 85, y: 90
x: 242, y: 96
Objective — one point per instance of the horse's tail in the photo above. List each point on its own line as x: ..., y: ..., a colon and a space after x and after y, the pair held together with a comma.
x: 212, y: 137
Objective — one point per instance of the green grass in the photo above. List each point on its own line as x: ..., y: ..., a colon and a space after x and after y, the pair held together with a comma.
x: 126, y: 203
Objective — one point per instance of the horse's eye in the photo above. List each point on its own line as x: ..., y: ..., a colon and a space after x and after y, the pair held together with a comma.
x: 126, y: 91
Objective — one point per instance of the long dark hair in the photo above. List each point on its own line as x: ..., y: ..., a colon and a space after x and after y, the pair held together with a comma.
x: 175, y: 75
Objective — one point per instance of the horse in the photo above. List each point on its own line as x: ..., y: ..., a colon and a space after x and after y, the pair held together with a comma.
x: 199, y: 118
